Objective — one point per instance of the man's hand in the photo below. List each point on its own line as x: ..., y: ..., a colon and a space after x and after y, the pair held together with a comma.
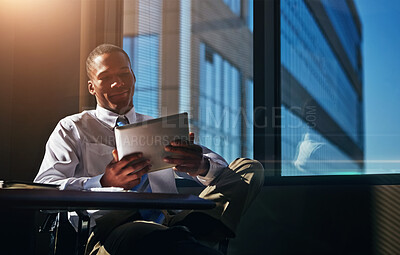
x: 125, y: 173
x: 188, y: 157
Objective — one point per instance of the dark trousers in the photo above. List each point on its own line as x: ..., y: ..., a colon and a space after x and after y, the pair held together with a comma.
x: 232, y: 191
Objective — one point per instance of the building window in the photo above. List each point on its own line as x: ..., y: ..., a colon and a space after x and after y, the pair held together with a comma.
x: 250, y: 18
x: 143, y: 52
x: 142, y: 37
x: 196, y: 57
x: 234, y: 5
x: 220, y: 104
x: 322, y: 112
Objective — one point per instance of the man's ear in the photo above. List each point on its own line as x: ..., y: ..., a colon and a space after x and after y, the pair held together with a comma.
x: 91, y: 88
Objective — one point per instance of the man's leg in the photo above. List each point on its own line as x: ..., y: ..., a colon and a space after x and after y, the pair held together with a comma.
x: 105, y: 225
x: 127, y: 238
x: 122, y: 233
x: 146, y: 237
x: 233, y: 191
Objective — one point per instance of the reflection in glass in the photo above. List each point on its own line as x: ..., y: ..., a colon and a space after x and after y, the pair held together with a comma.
x: 321, y: 88
x: 307, y: 152
x: 143, y: 51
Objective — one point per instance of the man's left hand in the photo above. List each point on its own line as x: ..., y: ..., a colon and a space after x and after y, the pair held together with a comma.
x: 188, y: 157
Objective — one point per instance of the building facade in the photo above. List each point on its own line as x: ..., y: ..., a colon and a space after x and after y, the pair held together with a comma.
x: 321, y: 88
x: 196, y: 57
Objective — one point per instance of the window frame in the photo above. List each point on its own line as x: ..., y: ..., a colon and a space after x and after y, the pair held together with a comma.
x: 267, y: 85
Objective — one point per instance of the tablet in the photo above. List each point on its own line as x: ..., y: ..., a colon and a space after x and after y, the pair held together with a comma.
x: 150, y: 137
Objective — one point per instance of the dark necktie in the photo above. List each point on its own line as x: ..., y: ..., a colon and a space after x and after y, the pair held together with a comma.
x: 122, y: 120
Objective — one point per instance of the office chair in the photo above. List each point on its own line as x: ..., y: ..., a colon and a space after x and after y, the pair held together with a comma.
x: 64, y: 240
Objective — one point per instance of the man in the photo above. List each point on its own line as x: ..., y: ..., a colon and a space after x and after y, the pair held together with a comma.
x: 80, y: 154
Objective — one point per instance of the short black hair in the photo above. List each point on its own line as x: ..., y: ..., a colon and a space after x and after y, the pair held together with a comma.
x: 100, y: 50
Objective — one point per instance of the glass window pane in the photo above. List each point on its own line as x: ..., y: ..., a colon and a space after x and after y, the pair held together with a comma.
x: 380, y: 59
x: 339, y: 62
x: 195, y: 56
x: 322, y: 116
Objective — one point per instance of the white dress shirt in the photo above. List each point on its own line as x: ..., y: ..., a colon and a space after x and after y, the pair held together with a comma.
x: 81, y: 145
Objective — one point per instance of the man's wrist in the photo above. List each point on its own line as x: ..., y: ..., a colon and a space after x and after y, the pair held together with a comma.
x: 205, y: 167
x: 93, y: 182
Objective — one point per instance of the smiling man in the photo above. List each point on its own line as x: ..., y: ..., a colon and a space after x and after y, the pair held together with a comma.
x: 112, y: 81
x: 80, y: 154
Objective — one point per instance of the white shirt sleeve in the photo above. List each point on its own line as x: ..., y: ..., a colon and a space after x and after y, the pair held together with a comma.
x: 93, y: 182
x: 216, y: 162
x: 61, y: 160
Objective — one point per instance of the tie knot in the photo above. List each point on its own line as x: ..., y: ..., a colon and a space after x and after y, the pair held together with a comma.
x: 122, y: 120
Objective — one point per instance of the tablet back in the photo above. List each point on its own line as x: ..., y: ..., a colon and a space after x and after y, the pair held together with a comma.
x: 151, y: 136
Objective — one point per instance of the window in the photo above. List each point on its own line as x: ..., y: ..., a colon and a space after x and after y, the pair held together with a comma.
x: 335, y: 116
x: 195, y: 56
x: 219, y: 122
x: 323, y: 116
x: 142, y: 43
x: 143, y: 52
x: 316, y: 85
x: 234, y: 5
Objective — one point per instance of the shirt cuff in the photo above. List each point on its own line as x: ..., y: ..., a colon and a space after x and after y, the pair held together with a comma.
x: 212, y: 172
x: 93, y: 182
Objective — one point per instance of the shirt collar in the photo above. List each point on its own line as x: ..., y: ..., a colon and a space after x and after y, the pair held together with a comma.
x: 110, y: 118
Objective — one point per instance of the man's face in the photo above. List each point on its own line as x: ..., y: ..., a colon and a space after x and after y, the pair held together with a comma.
x: 112, y: 82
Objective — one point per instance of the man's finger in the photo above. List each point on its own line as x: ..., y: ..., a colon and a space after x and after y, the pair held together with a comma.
x: 184, y: 148
x: 191, y: 138
x: 132, y: 183
x: 115, y: 156
x: 132, y: 169
x: 184, y: 143
x: 184, y: 151
x: 185, y: 169
x: 180, y: 161
x: 128, y: 159
x: 131, y: 176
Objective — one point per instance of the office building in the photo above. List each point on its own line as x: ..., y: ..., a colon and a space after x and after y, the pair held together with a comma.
x: 321, y: 88
x: 195, y: 56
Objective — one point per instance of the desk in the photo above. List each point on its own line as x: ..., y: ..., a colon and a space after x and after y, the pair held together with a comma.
x: 72, y: 200
x: 79, y: 201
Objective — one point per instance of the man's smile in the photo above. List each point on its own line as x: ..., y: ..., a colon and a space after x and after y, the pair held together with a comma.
x: 120, y: 94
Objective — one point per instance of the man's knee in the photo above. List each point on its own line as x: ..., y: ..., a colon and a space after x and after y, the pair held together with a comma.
x: 129, y: 235
x: 251, y: 169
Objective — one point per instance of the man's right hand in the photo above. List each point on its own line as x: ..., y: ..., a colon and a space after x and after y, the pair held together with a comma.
x: 125, y: 173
